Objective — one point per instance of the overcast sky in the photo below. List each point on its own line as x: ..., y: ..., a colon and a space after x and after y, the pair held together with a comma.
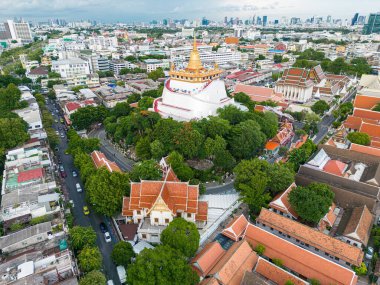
x: 146, y: 10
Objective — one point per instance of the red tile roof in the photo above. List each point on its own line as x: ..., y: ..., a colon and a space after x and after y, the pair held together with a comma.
x: 259, y: 93
x: 313, y: 237
x: 231, y: 267
x: 207, y: 258
x: 271, y: 145
x: 175, y: 194
x: 72, y: 106
x: 100, y: 160
x: 365, y: 149
x: 235, y: 229
x: 359, y: 225
x: 372, y: 130
x: 367, y: 114
x: 335, y: 167
x: 282, y: 204
x: 31, y: 174
x: 365, y: 101
x: 276, y: 274
x: 300, y: 260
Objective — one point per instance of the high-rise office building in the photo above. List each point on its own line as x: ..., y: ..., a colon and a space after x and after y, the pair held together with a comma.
x: 258, y: 21
x: 18, y: 31
x: 265, y: 20
x: 373, y: 24
x: 328, y: 19
x: 355, y: 19
x: 361, y: 20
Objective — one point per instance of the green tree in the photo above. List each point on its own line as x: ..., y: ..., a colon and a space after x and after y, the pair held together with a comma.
x: 311, y: 202
x: 289, y: 282
x: 122, y: 253
x: 143, y: 150
x: 181, y: 235
x: 246, y: 140
x: 359, y: 138
x: 105, y: 191
x: 376, y: 108
x: 280, y: 178
x: 232, y: 114
x: 162, y: 265
x: 260, y: 249
x: 181, y: 169
x: 165, y: 130
x: 81, y: 237
x: 121, y: 109
x: 156, y: 74
x: 320, y: 107
x: 93, y: 278
x: 9, y: 98
x: 254, y: 194
x: 90, y: 259
x: 277, y: 58
x: 146, y: 170
x: 188, y: 141
x: 157, y: 149
x: 213, y: 126
x: 299, y: 156
x: 13, y: 131
x: 83, y: 118
x: 145, y: 103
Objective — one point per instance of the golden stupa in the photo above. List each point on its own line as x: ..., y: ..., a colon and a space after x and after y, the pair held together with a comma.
x: 195, y: 72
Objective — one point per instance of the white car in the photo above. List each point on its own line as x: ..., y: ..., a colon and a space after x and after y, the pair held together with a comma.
x: 369, y: 253
x: 79, y: 189
x: 107, y: 237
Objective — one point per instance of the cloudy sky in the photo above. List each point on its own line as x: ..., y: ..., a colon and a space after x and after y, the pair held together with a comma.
x: 145, y: 10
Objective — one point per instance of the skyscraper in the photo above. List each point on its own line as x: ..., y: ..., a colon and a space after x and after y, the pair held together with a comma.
x: 373, y: 24
x: 355, y: 19
x: 328, y: 19
x: 265, y: 20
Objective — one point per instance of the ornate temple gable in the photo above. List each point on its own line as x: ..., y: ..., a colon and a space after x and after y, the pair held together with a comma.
x: 160, y: 206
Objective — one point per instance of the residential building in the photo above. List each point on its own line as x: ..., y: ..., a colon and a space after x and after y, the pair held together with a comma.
x: 38, y: 72
x: 72, y: 67
x: 152, y: 64
x: 154, y: 204
x: 18, y: 31
x: 110, y: 96
x: 102, y: 43
x: 40, y: 267
x: 282, y: 138
x: 71, y: 107
x: 117, y: 65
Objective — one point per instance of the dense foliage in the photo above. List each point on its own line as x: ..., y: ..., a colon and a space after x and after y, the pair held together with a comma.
x: 359, y: 138
x: 162, y: 265
x: 181, y: 235
x: 122, y: 253
x: 94, y: 277
x: 311, y: 202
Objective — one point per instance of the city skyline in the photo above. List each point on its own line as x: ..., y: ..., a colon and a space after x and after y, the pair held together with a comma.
x: 144, y: 11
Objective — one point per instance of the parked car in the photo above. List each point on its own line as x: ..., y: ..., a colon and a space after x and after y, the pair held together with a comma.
x: 107, y: 237
x: 79, y: 188
x: 62, y: 135
x: 75, y: 174
x: 103, y: 227
x: 61, y: 168
x: 71, y: 202
x: 378, y: 221
x: 369, y: 253
x: 63, y: 174
x: 86, y: 211
x: 110, y: 282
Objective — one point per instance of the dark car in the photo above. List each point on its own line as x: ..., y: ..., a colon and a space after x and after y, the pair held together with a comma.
x: 63, y: 174
x: 103, y: 227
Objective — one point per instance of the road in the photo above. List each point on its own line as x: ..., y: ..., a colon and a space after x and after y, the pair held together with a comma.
x: 93, y: 219
x: 324, y: 125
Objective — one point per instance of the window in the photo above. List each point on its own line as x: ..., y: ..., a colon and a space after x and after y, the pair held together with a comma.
x: 326, y: 254
x: 156, y: 220
x: 336, y: 258
x: 347, y: 263
x: 316, y: 249
x: 189, y: 215
x: 288, y: 236
x: 179, y: 214
x: 166, y: 221
x: 271, y: 229
x: 138, y: 212
x: 143, y: 235
x: 355, y: 244
x: 306, y: 245
x: 280, y: 232
x: 297, y: 240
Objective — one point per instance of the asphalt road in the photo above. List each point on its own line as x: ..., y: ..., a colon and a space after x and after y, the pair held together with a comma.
x: 324, y: 125
x: 93, y: 219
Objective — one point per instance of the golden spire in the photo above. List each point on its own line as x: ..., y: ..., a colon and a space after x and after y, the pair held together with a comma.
x: 195, y: 60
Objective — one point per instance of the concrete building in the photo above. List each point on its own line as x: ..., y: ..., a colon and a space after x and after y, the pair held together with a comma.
x: 152, y: 64
x: 17, y: 31
x: 71, y: 67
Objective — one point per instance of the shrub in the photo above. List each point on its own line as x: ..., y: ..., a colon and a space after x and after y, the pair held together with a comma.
x: 278, y: 262
x: 260, y: 249
x: 361, y: 270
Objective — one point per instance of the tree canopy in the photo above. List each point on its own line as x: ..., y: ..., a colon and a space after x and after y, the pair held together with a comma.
x: 181, y: 235
x: 146, y: 170
x: 359, y: 138
x: 320, y: 107
x: 105, y: 191
x: 162, y: 265
x: 81, y: 237
x: 84, y: 117
x: 122, y: 253
x: 94, y: 277
x: 89, y: 259
x: 311, y: 202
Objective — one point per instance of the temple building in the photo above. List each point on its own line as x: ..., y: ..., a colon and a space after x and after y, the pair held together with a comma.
x: 154, y: 204
x: 194, y: 92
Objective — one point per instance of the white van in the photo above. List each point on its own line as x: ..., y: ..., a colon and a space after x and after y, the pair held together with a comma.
x: 79, y: 189
x: 110, y: 282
